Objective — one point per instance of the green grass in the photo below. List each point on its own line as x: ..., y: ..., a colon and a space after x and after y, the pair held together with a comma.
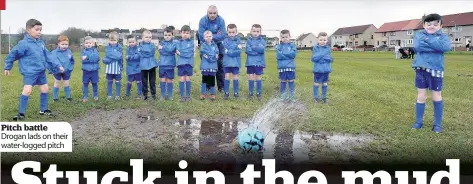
x: 369, y: 93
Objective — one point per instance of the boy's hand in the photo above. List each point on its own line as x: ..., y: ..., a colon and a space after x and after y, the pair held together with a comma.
x: 7, y: 72
x: 226, y: 51
x: 206, y: 57
x: 160, y: 47
x: 216, y: 56
x: 239, y: 46
x: 61, y: 69
x: 178, y: 53
x: 84, y: 57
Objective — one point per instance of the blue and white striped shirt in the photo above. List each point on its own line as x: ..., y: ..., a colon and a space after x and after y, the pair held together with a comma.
x: 287, y: 70
x: 435, y: 73
x: 113, y: 68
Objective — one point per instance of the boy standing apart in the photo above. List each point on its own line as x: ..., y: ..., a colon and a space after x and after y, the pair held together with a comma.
x: 255, y: 60
x: 113, y: 65
x: 430, y: 45
x: 185, y: 64
x: 286, y: 54
x: 322, y: 66
x: 231, y: 60
x: 34, y: 59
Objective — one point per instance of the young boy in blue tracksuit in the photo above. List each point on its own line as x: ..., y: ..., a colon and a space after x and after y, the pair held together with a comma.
x: 90, y: 69
x: 133, y: 71
x: 231, y: 60
x: 286, y: 54
x: 255, y: 60
x: 322, y: 66
x: 65, y: 56
x: 185, y: 63
x: 113, y: 61
x: 34, y: 59
x: 208, y: 66
x: 430, y: 45
x: 167, y: 63
x: 148, y: 65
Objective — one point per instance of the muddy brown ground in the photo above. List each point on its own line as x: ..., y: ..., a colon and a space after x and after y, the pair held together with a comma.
x: 191, y: 137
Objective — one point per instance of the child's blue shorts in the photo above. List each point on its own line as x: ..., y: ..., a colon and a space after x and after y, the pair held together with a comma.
x: 424, y: 80
x: 321, y: 77
x: 287, y: 75
x: 232, y: 70
x: 185, y: 70
x: 167, y: 73
x: 63, y: 76
x: 90, y: 76
x: 117, y: 77
x: 258, y: 70
x: 134, y: 77
x: 35, y: 79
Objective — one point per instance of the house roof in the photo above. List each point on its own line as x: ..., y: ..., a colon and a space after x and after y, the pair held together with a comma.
x: 459, y: 19
x: 399, y: 26
x: 303, y: 36
x: 352, y: 30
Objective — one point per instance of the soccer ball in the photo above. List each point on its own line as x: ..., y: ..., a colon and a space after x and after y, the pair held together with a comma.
x: 251, y: 140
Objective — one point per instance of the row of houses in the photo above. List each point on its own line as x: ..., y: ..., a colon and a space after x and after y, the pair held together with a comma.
x: 101, y: 38
x: 459, y: 28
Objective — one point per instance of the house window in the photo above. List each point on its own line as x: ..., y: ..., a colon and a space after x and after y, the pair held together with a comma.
x: 456, y: 29
x: 384, y: 34
x: 378, y: 42
x: 410, y: 41
x: 385, y: 42
x: 392, y: 34
x: 372, y: 36
x: 410, y: 32
x: 356, y: 43
x: 445, y: 30
x: 458, y: 39
x: 356, y: 36
x: 392, y: 42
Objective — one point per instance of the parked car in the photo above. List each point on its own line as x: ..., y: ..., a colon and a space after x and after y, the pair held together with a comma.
x: 347, y: 49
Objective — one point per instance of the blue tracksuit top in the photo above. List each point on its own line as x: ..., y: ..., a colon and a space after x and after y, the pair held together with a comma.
x: 66, y: 58
x: 186, y: 48
x: 232, y: 55
x: 33, y: 57
x: 322, y: 59
x: 91, y: 63
x: 147, y: 56
x: 167, y: 55
x: 286, y: 54
x: 211, y: 50
x: 255, y: 51
x: 214, y: 26
x: 113, y: 54
x: 132, y: 60
x: 430, y: 49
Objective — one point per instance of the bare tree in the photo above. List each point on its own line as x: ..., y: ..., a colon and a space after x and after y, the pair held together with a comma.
x: 74, y: 34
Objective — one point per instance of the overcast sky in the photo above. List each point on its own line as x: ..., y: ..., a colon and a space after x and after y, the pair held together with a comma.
x: 297, y: 16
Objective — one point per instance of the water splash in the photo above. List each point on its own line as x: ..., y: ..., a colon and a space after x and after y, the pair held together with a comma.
x: 268, y: 116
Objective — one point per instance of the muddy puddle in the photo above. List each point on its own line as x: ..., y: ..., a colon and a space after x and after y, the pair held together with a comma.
x: 209, y: 141
x: 206, y: 138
